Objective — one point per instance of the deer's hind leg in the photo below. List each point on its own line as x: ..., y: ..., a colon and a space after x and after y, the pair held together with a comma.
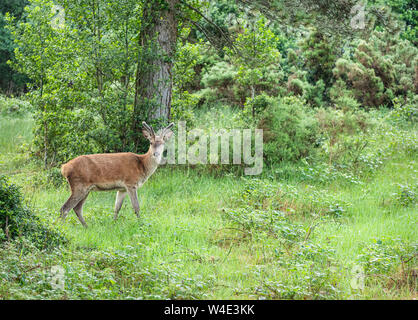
x: 120, y: 196
x: 77, y: 194
x: 78, y: 209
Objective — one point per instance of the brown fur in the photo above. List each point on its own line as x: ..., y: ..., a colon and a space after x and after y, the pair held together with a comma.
x: 107, y: 168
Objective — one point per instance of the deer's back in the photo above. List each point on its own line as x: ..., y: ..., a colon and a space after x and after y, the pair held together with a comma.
x: 104, y: 169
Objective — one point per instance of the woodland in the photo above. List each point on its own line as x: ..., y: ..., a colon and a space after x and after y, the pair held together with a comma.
x: 333, y: 85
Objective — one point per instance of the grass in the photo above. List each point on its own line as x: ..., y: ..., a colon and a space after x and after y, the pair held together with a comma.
x: 184, y: 233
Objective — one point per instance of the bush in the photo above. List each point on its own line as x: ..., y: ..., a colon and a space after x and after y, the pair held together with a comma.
x: 221, y: 78
x: 290, y: 131
x: 405, y: 112
x: 64, y: 134
x: 17, y: 220
x: 12, y: 106
x: 319, y: 55
x: 254, y: 107
x: 343, y: 134
x: 379, y: 69
x: 92, y: 274
x: 406, y: 195
x: 295, y: 85
x: 55, y: 178
x: 314, y: 93
x: 309, y: 272
x: 392, y: 261
x: 183, y: 105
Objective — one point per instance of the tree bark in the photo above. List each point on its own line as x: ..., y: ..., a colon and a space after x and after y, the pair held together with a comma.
x: 154, y: 81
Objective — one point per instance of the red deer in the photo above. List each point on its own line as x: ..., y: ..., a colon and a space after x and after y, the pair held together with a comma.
x: 124, y: 172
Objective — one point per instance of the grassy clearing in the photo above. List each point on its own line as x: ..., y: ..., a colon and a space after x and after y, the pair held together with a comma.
x: 198, y: 236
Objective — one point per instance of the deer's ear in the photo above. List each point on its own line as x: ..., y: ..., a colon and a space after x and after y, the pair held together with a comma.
x: 147, y: 134
x: 167, y: 135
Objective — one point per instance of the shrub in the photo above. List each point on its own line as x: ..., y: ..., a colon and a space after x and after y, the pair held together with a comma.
x: 406, y: 195
x: 221, y: 78
x: 295, y: 85
x: 17, y: 220
x: 393, y: 257
x: 257, y: 64
x: 65, y: 134
x: 342, y: 134
x: 92, y: 274
x: 254, y: 107
x: 290, y: 131
x: 314, y: 93
x: 183, y: 105
x: 309, y: 272
x: 319, y: 55
x: 379, y: 69
x: 405, y: 112
x: 343, y: 99
x: 12, y: 106
x: 298, y: 85
x: 55, y: 178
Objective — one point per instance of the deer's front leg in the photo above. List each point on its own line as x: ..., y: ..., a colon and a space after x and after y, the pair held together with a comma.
x: 134, y: 200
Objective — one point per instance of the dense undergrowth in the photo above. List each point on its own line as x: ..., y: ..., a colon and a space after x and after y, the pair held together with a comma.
x: 332, y: 215
x: 312, y: 229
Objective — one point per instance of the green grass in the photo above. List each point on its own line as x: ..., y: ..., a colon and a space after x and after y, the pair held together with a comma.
x: 183, y: 229
x: 14, y: 132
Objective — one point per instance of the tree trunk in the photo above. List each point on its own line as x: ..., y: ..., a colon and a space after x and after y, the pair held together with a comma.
x: 153, y: 88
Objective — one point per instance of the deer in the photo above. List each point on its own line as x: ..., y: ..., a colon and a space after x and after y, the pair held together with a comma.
x: 124, y: 172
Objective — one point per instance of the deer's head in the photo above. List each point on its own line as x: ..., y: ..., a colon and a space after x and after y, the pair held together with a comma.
x: 157, y: 140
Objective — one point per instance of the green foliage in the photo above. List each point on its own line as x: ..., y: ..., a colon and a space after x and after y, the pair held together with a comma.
x: 65, y: 128
x: 319, y: 57
x: 255, y: 107
x: 281, y: 236
x: 342, y: 134
x: 183, y: 105
x: 220, y: 79
x: 17, y: 220
x: 342, y: 98
x: 309, y: 273
x: 324, y: 173
x: 222, y: 13
x: 270, y: 221
x: 268, y: 205
x: 407, y: 10
x: 258, y: 60
x: 91, y: 274
x: 299, y: 86
x: 405, y: 112
x: 290, y: 131
x: 295, y: 86
x: 55, y: 178
x: 382, y: 67
x: 11, y: 107
x: 82, y: 76
x: 11, y: 82
x: 300, y: 269
x: 384, y: 256
x: 406, y: 195
x: 220, y: 75
x: 310, y: 68
x: 314, y: 94
x: 334, y: 177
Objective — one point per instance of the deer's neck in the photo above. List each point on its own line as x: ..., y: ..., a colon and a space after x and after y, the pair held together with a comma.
x: 150, y: 162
